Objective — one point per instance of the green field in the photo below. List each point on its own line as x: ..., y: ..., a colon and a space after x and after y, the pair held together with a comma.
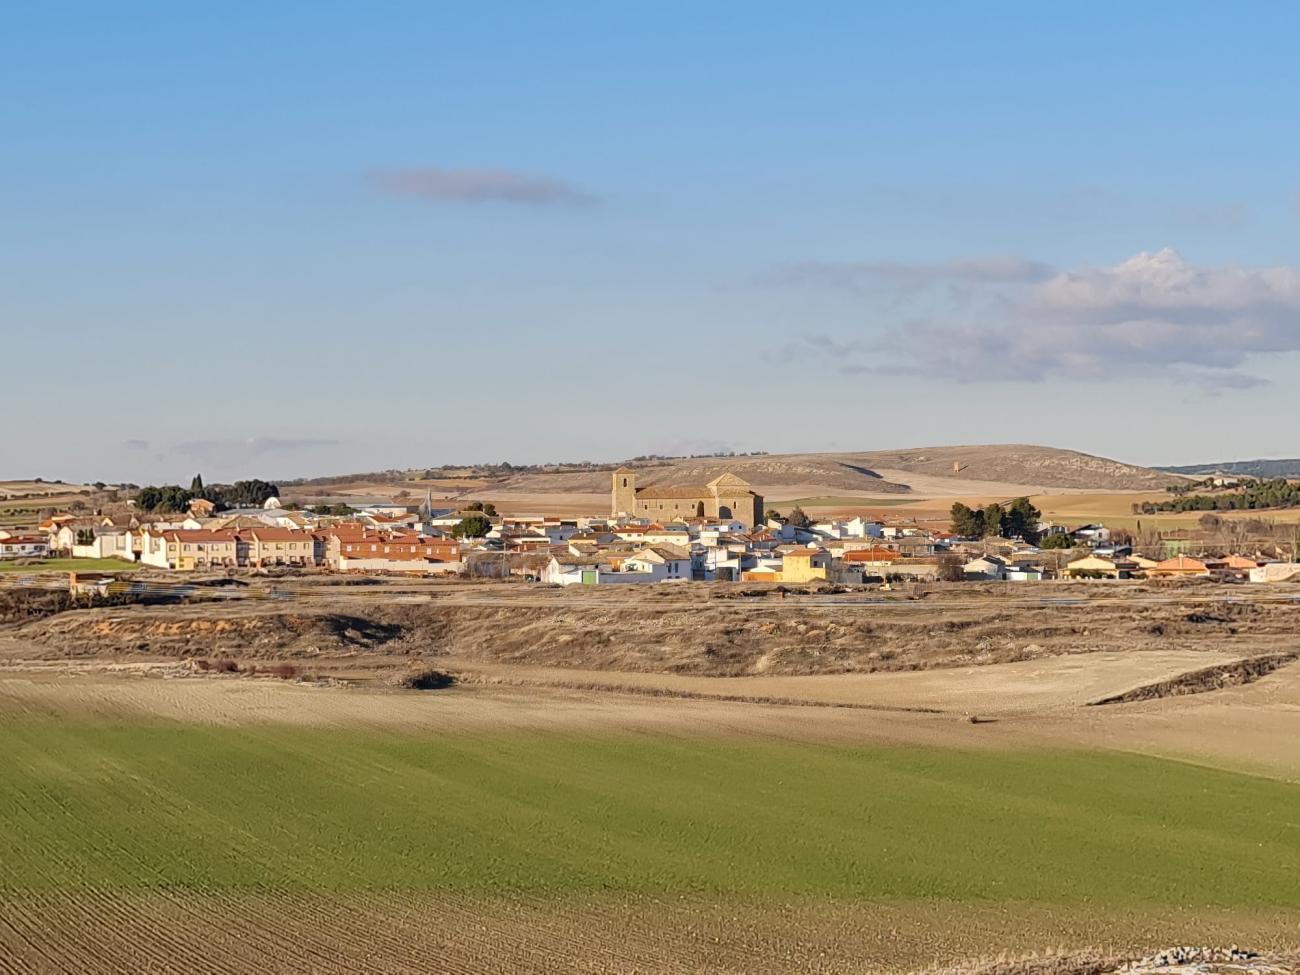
x: 71, y: 565
x: 142, y: 805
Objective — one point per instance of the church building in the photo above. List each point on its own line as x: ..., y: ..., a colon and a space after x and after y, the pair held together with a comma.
x: 727, y: 496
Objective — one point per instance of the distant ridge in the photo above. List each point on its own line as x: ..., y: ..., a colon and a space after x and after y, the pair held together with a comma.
x: 1287, y: 467
x: 879, y: 471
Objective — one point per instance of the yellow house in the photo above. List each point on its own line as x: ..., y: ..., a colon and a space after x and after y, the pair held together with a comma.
x: 804, y: 565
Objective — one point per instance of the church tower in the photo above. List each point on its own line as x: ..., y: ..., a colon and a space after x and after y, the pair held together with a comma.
x: 622, y: 499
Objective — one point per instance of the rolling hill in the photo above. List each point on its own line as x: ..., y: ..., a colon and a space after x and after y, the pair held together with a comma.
x: 1262, y: 468
x: 912, y: 470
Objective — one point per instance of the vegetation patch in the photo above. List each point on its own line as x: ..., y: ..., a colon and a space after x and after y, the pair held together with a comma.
x: 130, y: 805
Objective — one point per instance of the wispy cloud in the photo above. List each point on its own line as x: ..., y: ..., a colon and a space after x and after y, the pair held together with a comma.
x: 993, y: 269
x: 480, y: 186
x: 1153, y: 314
x: 252, y: 447
x: 135, y: 444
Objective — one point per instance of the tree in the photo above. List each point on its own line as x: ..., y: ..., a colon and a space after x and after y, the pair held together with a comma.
x: 993, y: 515
x: 966, y: 521
x: 1058, y: 541
x: 772, y: 515
x: 950, y: 569
x: 798, y: 519
x: 475, y: 526
x: 1021, y: 521
x: 196, y: 485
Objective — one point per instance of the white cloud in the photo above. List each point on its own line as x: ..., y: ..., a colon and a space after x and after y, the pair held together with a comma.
x: 1152, y: 313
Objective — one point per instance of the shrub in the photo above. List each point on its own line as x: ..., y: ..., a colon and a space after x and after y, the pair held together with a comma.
x: 284, y: 671
x: 225, y: 666
x: 426, y: 680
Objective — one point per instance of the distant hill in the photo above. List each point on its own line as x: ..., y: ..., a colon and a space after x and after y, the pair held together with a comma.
x: 1247, y: 468
x: 877, y: 472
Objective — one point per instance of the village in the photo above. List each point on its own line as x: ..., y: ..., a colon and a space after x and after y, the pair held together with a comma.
x: 716, y: 532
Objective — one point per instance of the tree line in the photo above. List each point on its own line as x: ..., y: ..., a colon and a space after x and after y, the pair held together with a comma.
x: 1019, y: 519
x: 1276, y: 493
x: 174, y: 498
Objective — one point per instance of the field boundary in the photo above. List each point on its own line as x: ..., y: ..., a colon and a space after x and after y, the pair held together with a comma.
x: 1206, y: 679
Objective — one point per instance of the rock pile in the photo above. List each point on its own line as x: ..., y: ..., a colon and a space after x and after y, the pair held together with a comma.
x: 1187, y: 960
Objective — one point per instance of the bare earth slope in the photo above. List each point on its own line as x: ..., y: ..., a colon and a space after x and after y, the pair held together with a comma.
x: 879, y: 472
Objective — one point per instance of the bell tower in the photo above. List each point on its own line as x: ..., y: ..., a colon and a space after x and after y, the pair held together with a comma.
x: 623, y: 493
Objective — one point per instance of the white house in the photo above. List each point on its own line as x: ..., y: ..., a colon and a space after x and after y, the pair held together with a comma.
x: 988, y: 568
x: 588, y: 570
x: 24, y: 547
x: 663, y: 563
x: 108, y: 543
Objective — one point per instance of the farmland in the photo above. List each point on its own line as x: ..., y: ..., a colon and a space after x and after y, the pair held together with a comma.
x: 329, y: 831
x: 668, y: 780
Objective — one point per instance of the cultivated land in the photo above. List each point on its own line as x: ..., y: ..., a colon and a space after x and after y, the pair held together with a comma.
x: 661, y: 780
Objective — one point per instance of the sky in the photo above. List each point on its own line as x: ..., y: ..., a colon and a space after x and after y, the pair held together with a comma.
x: 294, y: 239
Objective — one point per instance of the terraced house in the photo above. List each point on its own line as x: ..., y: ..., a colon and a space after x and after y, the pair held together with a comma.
x: 262, y: 547
x: 188, y: 549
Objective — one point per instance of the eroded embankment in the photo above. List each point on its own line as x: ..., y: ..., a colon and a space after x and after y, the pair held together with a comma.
x: 1206, y: 679
x: 675, y: 632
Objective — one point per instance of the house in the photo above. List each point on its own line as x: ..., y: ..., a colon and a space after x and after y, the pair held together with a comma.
x: 988, y: 568
x: 24, y: 547
x: 262, y: 547
x: 1096, y: 567
x: 105, y: 543
x: 726, y: 496
x: 189, y: 549
x: 201, y: 508
x: 1184, y: 566
x: 804, y: 565
x: 350, y: 547
x: 664, y: 563
x: 592, y: 570
x: 1092, y: 534
x: 877, y: 557
x: 1024, y: 572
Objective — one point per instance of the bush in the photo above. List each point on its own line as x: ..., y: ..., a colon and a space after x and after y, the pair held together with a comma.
x: 284, y: 671
x: 225, y: 666
x: 426, y: 680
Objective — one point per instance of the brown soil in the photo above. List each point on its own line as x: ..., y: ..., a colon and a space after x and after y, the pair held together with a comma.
x: 106, y: 933
x: 687, y: 630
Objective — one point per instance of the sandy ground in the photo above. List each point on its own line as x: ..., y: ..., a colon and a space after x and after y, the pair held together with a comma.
x: 999, y: 690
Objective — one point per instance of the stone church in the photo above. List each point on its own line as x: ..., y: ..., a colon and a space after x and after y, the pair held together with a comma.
x: 727, y: 496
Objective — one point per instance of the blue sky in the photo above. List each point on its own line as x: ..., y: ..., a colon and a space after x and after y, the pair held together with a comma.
x: 302, y: 238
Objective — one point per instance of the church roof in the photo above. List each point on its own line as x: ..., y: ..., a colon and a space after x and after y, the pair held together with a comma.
x: 681, y: 491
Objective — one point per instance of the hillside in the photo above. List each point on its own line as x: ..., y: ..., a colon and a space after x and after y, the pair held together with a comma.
x: 878, y: 472
x: 1283, y: 467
